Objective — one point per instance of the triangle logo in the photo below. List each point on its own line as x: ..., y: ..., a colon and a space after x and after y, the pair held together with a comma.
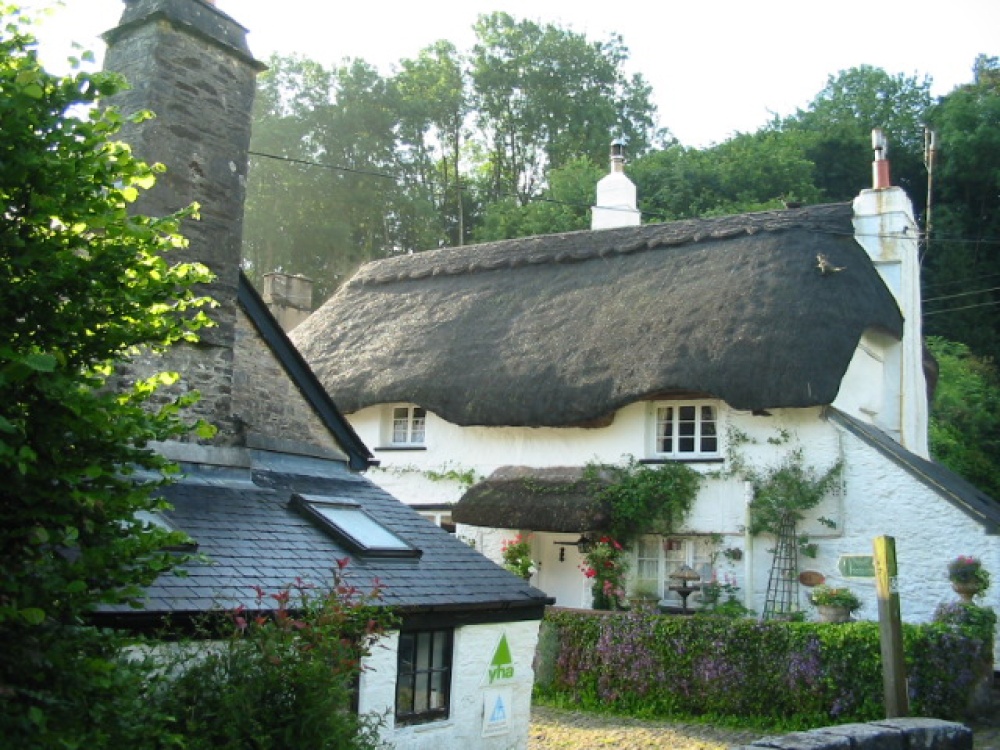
x: 501, y: 667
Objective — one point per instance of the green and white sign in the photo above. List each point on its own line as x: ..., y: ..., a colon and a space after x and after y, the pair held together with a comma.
x: 501, y: 668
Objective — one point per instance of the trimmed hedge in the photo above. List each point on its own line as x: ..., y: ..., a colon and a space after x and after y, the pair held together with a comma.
x: 795, y: 673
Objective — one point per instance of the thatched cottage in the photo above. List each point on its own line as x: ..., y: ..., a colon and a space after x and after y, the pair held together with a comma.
x: 734, y: 344
x: 277, y: 494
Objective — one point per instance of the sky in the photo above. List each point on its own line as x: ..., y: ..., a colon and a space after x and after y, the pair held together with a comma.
x: 716, y: 67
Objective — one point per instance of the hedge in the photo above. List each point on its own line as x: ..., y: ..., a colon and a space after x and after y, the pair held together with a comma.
x: 792, y: 673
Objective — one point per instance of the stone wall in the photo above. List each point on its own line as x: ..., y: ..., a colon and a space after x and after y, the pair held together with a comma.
x: 266, y: 401
x: 189, y: 64
x: 888, y: 734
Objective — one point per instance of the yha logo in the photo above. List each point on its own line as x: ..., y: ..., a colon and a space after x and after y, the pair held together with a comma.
x: 501, y: 673
x: 501, y: 666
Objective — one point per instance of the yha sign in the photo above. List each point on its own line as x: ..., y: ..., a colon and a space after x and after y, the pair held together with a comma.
x: 501, y: 668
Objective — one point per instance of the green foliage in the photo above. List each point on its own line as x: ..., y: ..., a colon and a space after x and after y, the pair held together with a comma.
x: 793, y: 675
x: 829, y: 596
x: 280, y: 679
x: 606, y: 566
x: 965, y: 414
x: 788, y: 491
x: 516, y: 554
x: 961, y: 262
x: 722, y: 599
x: 644, y: 498
x: 86, y: 284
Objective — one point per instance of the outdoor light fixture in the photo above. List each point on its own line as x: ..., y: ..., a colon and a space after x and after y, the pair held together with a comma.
x: 583, y: 545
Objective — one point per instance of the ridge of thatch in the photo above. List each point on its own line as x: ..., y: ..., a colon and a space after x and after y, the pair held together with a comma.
x: 558, y: 499
x: 565, y: 329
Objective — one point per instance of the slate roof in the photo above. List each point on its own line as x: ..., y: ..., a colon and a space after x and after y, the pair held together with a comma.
x: 947, y: 484
x: 565, y: 329
x: 242, y: 522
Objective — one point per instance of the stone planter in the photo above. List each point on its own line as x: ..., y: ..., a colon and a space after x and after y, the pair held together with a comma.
x: 828, y: 613
x: 967, y: 589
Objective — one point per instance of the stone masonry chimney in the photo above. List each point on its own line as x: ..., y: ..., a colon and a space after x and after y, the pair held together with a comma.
x: 288, y: 297
x: 616, y: 196
x: 189, y: 64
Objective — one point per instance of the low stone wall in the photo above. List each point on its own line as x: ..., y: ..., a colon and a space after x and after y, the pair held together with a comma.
x: 888, y: 734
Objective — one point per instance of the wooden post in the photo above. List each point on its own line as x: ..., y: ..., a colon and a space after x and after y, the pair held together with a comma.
x: 890, y: 629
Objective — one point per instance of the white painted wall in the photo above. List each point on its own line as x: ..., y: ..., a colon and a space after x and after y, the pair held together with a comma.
x: 463, y: 730
x: 885, y: 228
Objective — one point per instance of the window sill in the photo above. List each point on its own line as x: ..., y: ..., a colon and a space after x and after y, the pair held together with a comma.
x: 679, y: 460
x: 389, y: 448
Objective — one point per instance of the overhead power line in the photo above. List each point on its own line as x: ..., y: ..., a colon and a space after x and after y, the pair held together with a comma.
x: 438, y: 190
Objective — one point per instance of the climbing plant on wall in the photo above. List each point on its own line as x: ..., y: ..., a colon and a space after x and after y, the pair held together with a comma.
x: 643, y: 498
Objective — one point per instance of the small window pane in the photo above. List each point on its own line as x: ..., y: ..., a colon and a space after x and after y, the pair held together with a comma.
x: 361, y: 527
x: 423, y: 682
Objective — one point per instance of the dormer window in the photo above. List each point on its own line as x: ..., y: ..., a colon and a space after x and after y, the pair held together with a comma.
x: 406, y: 426
x: 685, y: 430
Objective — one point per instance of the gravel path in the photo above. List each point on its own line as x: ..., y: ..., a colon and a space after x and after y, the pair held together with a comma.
x: 560, y: 729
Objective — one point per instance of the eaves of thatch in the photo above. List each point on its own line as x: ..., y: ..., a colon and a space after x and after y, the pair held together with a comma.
x: 565, y: 329
x: 559, y: 499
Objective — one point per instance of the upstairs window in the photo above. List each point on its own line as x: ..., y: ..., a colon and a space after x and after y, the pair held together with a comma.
x: 686, y: 430
x: 408, y: 427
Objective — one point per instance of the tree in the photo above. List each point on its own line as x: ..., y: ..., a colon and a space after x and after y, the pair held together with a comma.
x: 86, y: 285
x: 434, y: 98
x: 840, y: 120
x: 564, y: 206
x: 750, y: 172
x: 965, y: 415
x: 962, y: 262
x: 545, y: 95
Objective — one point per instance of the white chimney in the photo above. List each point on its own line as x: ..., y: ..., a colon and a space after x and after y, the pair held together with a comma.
x: 616, y: 196
x: 885, y: 227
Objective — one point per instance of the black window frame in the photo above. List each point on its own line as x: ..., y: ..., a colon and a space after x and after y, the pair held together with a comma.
x: 418, y: 679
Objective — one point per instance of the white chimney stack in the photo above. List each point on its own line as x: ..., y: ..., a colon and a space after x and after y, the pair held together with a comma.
x: 616, y: 195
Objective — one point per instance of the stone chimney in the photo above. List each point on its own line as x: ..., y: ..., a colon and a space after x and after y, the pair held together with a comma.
x: 616, y: 196
x: 189, y: 64
x: 288, y: 297
x: 885, y: 227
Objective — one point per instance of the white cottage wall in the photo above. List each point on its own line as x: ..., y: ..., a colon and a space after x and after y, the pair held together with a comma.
x: 470, y: 687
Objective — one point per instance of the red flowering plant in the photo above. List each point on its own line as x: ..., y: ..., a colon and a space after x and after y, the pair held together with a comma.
x: 605, y: 563
x: 516, y: 554
x: 284, y: 676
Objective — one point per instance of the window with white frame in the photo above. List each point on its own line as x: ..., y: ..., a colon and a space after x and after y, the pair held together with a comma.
x: 686, y: 429
x: 656, y: 558
x: 423, y: 676
x: 407, y: 426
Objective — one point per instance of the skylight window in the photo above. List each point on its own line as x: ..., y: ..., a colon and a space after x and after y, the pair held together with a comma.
x: 348, y: 523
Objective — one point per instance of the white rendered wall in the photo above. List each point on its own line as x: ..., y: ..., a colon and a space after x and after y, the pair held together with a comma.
x: 884, y: 226
x: 463, y: 730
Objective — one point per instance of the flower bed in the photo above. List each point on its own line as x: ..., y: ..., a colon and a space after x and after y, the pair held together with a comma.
x: 796, y: 673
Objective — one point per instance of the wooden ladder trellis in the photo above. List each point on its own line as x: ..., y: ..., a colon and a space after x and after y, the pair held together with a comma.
x: 783, y: 583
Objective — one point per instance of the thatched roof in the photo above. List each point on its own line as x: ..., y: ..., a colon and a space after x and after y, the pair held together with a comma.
x: 565, y: 329
x: 557, y: 499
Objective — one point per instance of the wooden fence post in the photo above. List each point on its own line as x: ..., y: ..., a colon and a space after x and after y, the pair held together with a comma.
x: 890, y: 629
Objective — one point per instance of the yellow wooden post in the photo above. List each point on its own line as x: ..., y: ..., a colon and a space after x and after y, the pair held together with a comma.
x: 890, y: 629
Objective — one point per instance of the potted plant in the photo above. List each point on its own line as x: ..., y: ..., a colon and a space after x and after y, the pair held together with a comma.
x: 968, y: 577
x: 834, y: 604
x: 644, y: 596
x: 516, y: 555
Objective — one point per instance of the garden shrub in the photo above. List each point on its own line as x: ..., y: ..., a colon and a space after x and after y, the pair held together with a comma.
x: 788, y: 673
